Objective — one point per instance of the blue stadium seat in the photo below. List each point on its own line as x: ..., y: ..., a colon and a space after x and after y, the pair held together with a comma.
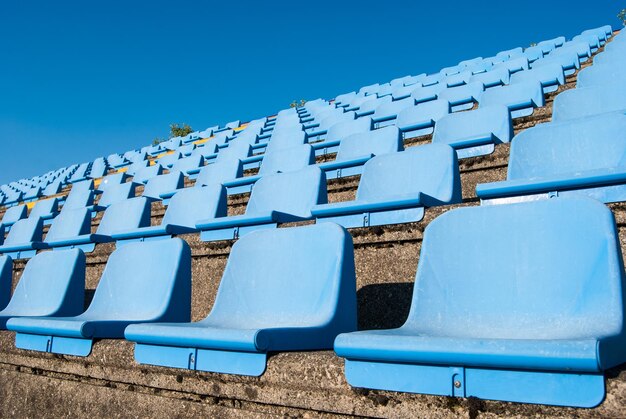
x: 219, y: 172
x: 117, y: 193
x: 514, y: 65
x: 285, y: 139
x: 492, y: 78
x: 169, y: 160
x: 578, y: 103
x: 189, y: 166
x: 568, y: 60
x: 52, y: 284
x: 339, y: 131
x: 356, y: 149
x: 186, y: 208
x: 551, y: 76
x: 6, y: 281
x: 46, y: 209
x: 278, y: 198
x: 369, y: 107
x: 162, y: 184
x: 81, y: 195
x: 387, y: 112
x: 24, y: 238
x: 141, y: 282
x: 13, y: 215
x: 427, y: 93
x: 571, y: 158
x: 72, y: 228
x: 144, y: 174
x: 111, y: 180
x: 420, y: 119
x: 395, y: 188
x: 599, y: 74
x: 476, y: 132
x: 514, y: 328
x: 462, y: 97
x: 520, y: 98
x: 277, y: 161
x: 52, y: 189
x: 251, y: 316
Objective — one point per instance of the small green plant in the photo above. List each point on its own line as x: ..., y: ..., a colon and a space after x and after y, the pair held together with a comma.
x: 179, y: 130
x: 157, y: 140
x: 622, y: 16
x: 533, y: 44
x: 295, y: 103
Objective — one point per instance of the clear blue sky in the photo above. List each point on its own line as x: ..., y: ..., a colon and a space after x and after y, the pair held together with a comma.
x: 81, y: 79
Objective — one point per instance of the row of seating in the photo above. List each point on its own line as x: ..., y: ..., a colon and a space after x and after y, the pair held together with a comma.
x: 535, y: 337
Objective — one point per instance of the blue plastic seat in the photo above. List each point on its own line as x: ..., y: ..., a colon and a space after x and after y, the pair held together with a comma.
x: 186, y: 208
x: 278, y: 198
x: 52, y: 189
x: 571, y: 158
x: 536, y: 324
x: 427, y: 93
x: 395, y: 188
x: 24, y: 238
x: 285, y: 139
x: 369, y: 107
x: 421, y: 119
x: 112, y: 180
x: 81, y: 195
x: 189, y: 166
x: 13, y: 215
x: 46, y: 209
x: 219, y: 172
x: 389, y: 111
x: 72, y: 228
x: 356, y: 149
x: 339, y: 131
x: 476, y: 132
x: 6, y: 281
x: 599, y: 74
x: 162, y: 184
x: 251, y: 316
x: 513, y: 65
x: 551, y: 76
x: 117, y: 193
x: 144, y: 174
x: 520, y: 98
x: 568, y: 60
x: 462, y: 97
x: 52, y: 284
x: 169, y: 160
x: 141, y: 282
x: 578, y: 103
x: 492, y: 78
x: 277, y: 161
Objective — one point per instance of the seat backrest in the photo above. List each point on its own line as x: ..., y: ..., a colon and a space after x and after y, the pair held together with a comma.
x: 285, y: 139
x: 117, y: 193
x: 235, y: 150
x: 125, y: 215
x: 293, y: 193
x: 513, y: 94
x: 599, y: 74
x: 431, y: 169
x: 6, y: 279
x: 145, y: 281
x: 25, y: 231
x: 169, y: 159
x: 188, y: 163
x: 550, y: 73
x: 577, y: 103
x: 377, y: 142
x: 424, y: 112
x: 190, y: 205
x: 342, y: 130
x: 70, y: 223
x: 559, y: 278
x: 220, y: 172
x: 391, y: 109
x: 13, y: 214
x: 258, y: 277
x: 163, y: 183
x: 136, y: 166
x: 287, y: 159
x: 478, y: 123
x: 45, y: 208
x: 580, y: 145
x: 53, y: 283
x: 79, y: 197
x: 144, y: 174
x: 112, y: 180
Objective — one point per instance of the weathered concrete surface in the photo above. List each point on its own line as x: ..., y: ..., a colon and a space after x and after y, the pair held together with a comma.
x: 298, y: 384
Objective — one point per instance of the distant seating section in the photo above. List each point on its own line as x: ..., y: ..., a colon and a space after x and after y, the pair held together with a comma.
x: 517, y: 297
